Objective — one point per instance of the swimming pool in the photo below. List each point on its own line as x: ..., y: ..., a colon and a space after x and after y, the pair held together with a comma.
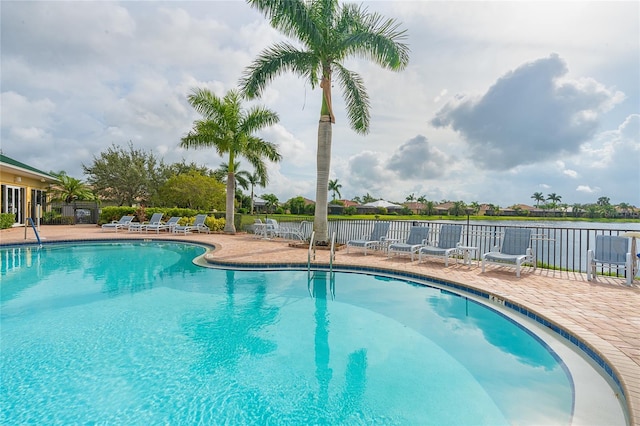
x: 134, y: 333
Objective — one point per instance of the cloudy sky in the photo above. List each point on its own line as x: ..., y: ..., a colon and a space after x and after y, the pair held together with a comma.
x: 500, y: 99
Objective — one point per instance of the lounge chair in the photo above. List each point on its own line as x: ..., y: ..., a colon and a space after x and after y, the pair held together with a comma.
x: 514, y: 251
x: 372, y: 241
x: 198, y: 225
x: 154, y: 224
x: 448, y: 243
x: 418, y: 236
x: 119, y: 224
x: 611, y: 252
x: 164, y: 226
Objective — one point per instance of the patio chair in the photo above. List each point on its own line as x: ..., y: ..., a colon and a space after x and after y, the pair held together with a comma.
x: 272, y: 229
x: 448, y: 242
x: 198, y: 225
x: 118, y: 224
x: 611, y: 252
x: 259, y: 229
x: 372, y: 241
x: 170, y: 224
x: 514, y: 251
x: 418, y: 236
x: 154, y: 224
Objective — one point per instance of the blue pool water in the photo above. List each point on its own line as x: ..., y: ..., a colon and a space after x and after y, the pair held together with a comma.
x: 135, y: 333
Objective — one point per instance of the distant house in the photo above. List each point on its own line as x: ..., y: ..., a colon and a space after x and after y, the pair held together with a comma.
x: 372, y: 207
x: 23, y: 189
x: 443, y: 209
x: 415, y: 207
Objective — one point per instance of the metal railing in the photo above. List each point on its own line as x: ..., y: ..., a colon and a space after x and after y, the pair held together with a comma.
x: 562, y: 248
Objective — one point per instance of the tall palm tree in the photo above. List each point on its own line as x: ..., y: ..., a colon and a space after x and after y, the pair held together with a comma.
x: 229, y: 129
x: 334, y: 187
x: 329, y: 33
x: 538, y: 197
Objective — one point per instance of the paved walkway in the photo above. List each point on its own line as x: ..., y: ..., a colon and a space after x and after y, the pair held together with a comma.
x: 605, y: 314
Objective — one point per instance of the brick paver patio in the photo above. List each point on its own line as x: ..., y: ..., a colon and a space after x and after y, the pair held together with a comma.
x: 605, y: 314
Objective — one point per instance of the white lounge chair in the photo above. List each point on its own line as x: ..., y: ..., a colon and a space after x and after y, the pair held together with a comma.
x: 448, y: 243
x: 612, y: 252
x: 514, y: 251
x: 418, y: 236
x: 198, y: 225
x: 119, y: 224
x: 372, y: 241
x: 170, y: 224
x: 154, y: 224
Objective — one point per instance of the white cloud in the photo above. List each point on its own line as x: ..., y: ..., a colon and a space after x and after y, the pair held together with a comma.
x: 587, y: 189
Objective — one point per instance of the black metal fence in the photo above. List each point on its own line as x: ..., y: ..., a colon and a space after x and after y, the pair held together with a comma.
x: 561, y: 248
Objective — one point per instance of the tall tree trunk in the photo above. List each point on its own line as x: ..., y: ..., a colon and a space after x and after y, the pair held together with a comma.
x: 229, y: 226
x: 323, y: 164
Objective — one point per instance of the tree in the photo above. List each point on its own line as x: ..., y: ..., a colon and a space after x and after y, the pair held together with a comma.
x: 538, y: 197
x: 411, y: 197
x: 603, y: 201
x: 255, y: 180
x: 271, y: 202
x: 555, y: 199
x: 334, y: 187
x: 625, y: 208
x: 193, y: 191
x: 296, y: 205
x: 475, y: 207
x: 184, y: 168
x: 69, y: 189
x: 367, y: 198
x: 126, y: 176
x: 242, y: 176
x: 430, y: 208
x: 329, y: 33
x: 229, y: 129
x: 459, y: 208
x: 577, y: 209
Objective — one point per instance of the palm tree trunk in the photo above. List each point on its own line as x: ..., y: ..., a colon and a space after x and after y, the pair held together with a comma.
x: 229, y: 226
x: 320, y: 224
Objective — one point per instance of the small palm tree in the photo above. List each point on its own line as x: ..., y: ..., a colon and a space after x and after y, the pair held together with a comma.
x: 334, y: 187
x: 229, y: 129
x: 254, y: 180
x: 329, y: 33
x: 242, y: 176
x: 69, y: 189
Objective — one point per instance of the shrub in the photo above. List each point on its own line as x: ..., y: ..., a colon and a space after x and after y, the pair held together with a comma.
x: 109, y: 214
x: 7, y: 220
x: 350, y: 211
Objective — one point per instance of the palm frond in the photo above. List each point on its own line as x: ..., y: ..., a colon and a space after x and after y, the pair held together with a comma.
x: 356, y: 99
x: 374, y: 37
x: 294, y: 18
x: 258, y: 118
x: 274, y: 61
